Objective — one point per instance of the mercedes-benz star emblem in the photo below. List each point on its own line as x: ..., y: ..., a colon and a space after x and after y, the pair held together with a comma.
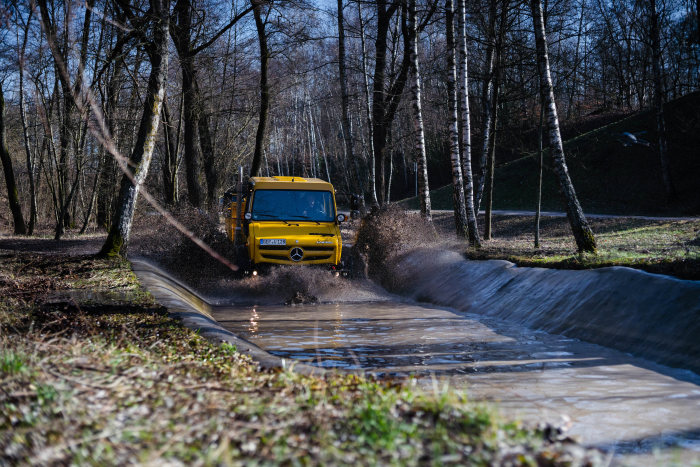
x: 296, y: 254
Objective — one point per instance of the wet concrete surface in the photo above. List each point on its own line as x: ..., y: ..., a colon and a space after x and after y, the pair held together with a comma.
x: 650, y: 413
x: 642, y: 412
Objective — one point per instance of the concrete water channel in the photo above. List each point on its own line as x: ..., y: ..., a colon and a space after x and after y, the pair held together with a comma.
x: 643, y: 412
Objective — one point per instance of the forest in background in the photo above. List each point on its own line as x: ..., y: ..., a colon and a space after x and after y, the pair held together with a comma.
x: 186, y: 92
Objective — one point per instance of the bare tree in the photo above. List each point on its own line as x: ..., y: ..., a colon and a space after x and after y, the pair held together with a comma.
x: 344, y: 99
x: 136, y: 170
x: 457, y: 180
x: 421, y: 159
x: 659, y: 101
x: 585, y: 240
x: 12, y: 195
x: 466, y: 146
x: 264, y: 91
x: 23, y: 115
x: 368, y: 109
x: 385, y: 101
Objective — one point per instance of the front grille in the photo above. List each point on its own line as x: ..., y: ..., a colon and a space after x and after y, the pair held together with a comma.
x: 289, y: 247
x: 274, y: 247
x: 286, y: 258
x: 280, y: 257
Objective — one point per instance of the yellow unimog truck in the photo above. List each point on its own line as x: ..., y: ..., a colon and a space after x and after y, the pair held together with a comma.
x: 286, y: 220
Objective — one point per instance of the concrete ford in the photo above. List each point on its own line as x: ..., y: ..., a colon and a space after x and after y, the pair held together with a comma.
x: 286, y: 220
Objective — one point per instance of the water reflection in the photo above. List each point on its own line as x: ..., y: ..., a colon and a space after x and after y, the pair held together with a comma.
x: 254, y: 323
x: 611, y: 397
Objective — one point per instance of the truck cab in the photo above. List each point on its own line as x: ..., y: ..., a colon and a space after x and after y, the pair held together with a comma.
x: 287, y: 220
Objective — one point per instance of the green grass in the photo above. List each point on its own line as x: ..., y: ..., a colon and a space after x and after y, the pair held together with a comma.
x: 111, y: 379
x: 664, y: 247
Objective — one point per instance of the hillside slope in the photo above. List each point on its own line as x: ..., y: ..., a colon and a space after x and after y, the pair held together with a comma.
x: 610, y: 178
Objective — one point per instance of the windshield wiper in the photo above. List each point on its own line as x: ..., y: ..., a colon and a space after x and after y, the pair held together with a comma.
x: 307, y: 218
x: 266, y: 214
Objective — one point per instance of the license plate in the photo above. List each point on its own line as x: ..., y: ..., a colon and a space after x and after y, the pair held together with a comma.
x: 273, y: 241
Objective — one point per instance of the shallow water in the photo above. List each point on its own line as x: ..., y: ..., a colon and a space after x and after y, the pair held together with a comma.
x: 645, y: 413
x: 613, y: 400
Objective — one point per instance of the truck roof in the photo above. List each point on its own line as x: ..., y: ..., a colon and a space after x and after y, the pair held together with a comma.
x: 290, y: 183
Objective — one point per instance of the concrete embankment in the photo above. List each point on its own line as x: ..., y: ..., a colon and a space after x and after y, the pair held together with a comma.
x: 653, y: 316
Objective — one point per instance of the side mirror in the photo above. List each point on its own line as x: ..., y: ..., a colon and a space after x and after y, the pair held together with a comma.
x: 341, y: 218
x: 248, y: 216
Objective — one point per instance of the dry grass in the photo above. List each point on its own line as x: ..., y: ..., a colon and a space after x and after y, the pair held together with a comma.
x: 93, y: 372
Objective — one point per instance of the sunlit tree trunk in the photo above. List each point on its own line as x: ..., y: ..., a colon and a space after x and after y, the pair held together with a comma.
x: 466, y: 145
x: 460, y: 212
x: 585, y: 241
x: 139, y: 161
x: 421, y: 159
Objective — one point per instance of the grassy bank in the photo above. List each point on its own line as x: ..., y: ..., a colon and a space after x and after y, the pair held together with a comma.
x: 93, y: 371
x: 657, y: 246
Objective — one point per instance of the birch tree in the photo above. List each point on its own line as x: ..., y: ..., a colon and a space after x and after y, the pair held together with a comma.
x: 419, y: 132
x: 490, y: 144
x: 136, y: 170
x: 457, y: 181
x: 466, y: 146
x: 486, y: 97
x: 585, y: 240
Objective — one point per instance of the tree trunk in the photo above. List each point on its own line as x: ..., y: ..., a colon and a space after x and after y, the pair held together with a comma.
x: 182, y: 37
x: 12, y: 194
x: 25, y: 134
x: 169, y: 164
x: 108, y: 174
x: 344, y: 100
x: 264, y: 93
x: 421, y: 159
x: 659, y: 102
x: 486, y: 101
x: 466, y: 145
x: 368, y: 108
x: 139, y: 161
x: 585, y: 241
x: 206, y: 142
x: 540, y: 165
x: 457, y: 181
x: 493, y: 123
x: 379, y: 98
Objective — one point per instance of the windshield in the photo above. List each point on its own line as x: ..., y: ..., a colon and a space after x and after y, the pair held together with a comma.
x: 293, y: 205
